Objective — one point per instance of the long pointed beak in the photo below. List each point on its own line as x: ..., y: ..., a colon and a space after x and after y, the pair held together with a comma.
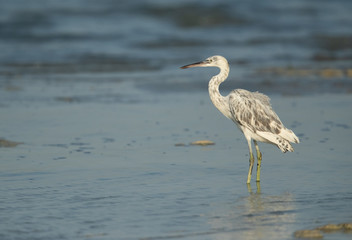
x: 197, y: 64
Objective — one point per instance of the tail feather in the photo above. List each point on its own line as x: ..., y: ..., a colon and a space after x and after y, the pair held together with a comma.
x: 282, y: 143
x: 289, y: 135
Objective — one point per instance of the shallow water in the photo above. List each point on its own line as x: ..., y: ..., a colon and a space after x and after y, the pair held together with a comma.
x: 112, y: 170
x: 94, y: 94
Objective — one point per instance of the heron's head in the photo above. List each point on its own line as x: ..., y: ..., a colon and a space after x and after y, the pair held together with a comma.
x: 214, y: 61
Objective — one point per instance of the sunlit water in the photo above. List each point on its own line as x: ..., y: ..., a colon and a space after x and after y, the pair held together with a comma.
x: 93, y: 91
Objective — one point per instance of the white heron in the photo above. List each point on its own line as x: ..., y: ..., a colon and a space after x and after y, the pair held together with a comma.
x: 251, y: 111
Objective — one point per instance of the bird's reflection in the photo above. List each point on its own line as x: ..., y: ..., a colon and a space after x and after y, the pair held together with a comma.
x: 256, y: 216
x: 249, y: 188
x: 268, y: 216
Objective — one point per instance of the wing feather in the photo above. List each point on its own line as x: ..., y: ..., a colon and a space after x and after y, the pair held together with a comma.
x: 253, y: 111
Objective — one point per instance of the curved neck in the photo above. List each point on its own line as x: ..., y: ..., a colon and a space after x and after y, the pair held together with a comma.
x: 218, y: 100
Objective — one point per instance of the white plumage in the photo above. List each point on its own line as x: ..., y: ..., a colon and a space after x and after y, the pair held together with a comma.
x: 251, y: 111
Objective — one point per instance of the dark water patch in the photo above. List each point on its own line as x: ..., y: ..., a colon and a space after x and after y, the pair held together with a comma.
x: 330, y: 57
x: 24, y: 21
x: 175, y: 42
x: 27, y: 175
x: 332, y: 124
x: 344, y: 126
x: 60, y: 158
x: 324, y: 140
x: 66, y: 99
x: 193, y: 15
x: 120, y: 62
x: 107, y: 9
x: 108, y: 140
x: 279, y: 212
x: 59, y: 145
x: 81, y: 147
x: 84, y: 64
x: 334, y: 42
x: 79, y: 144
x: 100, y: 98
x: 37, y: 39
x: 265, y: 40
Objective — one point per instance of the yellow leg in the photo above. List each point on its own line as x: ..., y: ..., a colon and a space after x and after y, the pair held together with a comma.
x: 259, y: 159
x: 251, y: 161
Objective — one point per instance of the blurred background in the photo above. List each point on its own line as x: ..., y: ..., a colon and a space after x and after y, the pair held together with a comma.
x: 286, y: 47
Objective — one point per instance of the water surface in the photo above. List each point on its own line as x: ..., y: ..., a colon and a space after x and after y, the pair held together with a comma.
x: 93, y: 92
